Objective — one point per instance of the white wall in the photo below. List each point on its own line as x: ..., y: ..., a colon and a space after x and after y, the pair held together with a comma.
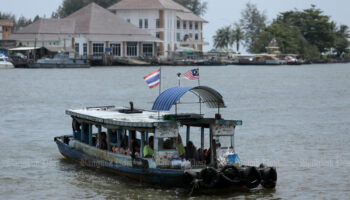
x: 81, y: 40
x: 170, y: 25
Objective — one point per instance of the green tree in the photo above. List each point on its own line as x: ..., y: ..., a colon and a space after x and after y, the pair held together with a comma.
x: 252, y: 23
x: 237, y: 36
x: 316, y: 28
x: 223, y: 37
x: 342, y: 40
x: 21, y: 22
x: 196, y: 6
x: 289, y: 39
x: 37, y: 17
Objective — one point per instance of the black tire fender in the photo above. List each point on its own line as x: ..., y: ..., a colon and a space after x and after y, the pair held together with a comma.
x: 269, y: 177
x: 251, y: 177
x: 230, y: 174
x: 210, y: 177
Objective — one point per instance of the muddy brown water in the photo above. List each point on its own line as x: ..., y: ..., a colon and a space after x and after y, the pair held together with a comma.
x: 296, y: 118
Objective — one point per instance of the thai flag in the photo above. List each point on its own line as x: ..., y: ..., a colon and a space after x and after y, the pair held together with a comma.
x: 153, y: 79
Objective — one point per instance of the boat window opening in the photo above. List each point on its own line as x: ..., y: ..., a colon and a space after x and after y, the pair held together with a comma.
x: 166, y: 144
x: 224, y: 142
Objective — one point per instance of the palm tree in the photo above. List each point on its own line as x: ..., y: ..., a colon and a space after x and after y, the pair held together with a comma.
x: 237, y: 36
x: 222, y: 39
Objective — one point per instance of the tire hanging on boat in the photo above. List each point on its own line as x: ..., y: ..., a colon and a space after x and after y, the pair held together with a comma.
x: 251, y: 177
x: 269, y: 177
x: 210, y: 177
x: 230, y: 174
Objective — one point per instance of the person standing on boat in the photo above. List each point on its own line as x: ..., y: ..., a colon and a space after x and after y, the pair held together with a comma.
x: 180, y: 147
x: 148, y: 149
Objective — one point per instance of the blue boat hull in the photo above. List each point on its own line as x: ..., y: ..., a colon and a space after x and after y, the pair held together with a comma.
x: 162, y: 177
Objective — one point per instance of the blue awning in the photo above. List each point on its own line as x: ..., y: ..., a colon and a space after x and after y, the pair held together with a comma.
x: 169, y: 97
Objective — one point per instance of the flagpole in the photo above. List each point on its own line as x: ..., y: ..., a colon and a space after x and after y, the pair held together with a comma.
x: 200, y: 100
x: 160, y: 80
x: 199, y: 82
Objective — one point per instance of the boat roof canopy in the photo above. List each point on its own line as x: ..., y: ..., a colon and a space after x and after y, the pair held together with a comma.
x: 209, y: 96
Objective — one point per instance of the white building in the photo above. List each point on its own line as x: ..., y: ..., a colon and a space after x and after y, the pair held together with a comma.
x: 89, y: 32
x: 175, y: 25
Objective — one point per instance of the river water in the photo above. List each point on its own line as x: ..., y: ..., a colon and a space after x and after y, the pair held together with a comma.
x: 296, y: 118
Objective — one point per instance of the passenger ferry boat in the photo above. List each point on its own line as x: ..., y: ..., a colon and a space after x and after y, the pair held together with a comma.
x: 119, y: 139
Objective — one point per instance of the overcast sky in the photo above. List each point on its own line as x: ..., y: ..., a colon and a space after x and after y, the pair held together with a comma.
x: 219, y: 13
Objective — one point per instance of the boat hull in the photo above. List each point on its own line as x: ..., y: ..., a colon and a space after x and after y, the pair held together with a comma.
x: 162, y: 177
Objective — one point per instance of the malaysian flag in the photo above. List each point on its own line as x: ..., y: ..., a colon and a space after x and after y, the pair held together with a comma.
x: 153, y: 79
x: 192, y: 74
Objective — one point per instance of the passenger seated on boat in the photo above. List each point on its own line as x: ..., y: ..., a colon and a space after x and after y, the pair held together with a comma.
x: 191, y: 152
x: 114, y: 149
x: 103, y: 140
x: 148, y: 149
x: 201, y: 154
x: 135, y: 149
x: 180, y: 147
x: 207, y: 156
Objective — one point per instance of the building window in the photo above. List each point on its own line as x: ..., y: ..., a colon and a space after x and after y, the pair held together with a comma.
x: 184, y: 25
x: 185, y: 37
x: 196, y: 25
x: 178, y: 24
x: 157, y: 35
x: 178, y: 37
x: 196, y: 36
x: 191, y: 35
x: 97, y: 49
x: 140, y: 23
x: 146, y: 23
x: 85, y: 49
x: 191, y: 25
x: 131, y: 49
x: 157, y: 23
x: 115, y: 49
x: 128, y: 20
x: 76, y: 48
x: 147, y: 50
